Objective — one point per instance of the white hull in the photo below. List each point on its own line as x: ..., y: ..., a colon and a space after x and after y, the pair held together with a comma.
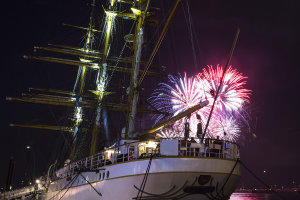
x: 167, y: 176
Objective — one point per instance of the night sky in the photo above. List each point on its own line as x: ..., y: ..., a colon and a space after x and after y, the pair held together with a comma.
x: 267, y: 52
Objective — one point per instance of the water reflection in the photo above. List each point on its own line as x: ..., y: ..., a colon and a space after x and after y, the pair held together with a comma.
x: 251, y: 196
x: 264, y: 196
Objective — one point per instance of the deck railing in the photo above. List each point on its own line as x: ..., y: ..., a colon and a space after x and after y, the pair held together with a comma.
x: 209, y: 148
x: 18, y: 193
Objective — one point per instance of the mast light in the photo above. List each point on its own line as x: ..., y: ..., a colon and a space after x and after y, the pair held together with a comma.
x: 85, y: 60
x: 136, y: 11
x: 110, y: 14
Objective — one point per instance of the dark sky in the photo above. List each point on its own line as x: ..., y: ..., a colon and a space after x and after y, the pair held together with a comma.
x: 267, y: 52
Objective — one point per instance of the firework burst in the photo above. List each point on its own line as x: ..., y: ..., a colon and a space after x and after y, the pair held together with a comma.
x: 226, y: 128
x: 232, y: 93
x: 182, y: 93
x: 168, y: 133
x: 176, y: 97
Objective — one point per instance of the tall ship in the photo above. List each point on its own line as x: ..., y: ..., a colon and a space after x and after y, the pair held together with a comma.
x: 153, y: 153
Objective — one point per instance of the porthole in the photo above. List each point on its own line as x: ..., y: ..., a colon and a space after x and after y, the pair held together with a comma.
x: 204, y: 179
x: 107, y: 174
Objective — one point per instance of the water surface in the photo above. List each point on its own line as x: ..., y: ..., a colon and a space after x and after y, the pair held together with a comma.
x: 264, y: 196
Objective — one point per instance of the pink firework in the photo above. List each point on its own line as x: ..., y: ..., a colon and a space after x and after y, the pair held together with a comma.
x: 232, y: 94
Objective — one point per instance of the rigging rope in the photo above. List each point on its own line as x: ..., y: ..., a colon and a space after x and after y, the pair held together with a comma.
x: 154, y: 34
x: 71, y: 182
x: 141, y: 190
x: 189, y: 25
x: 261, y: 181
x: 68, y: 188
x: 99, y: 193
x: 221, y: 81
x: 121, y: 53
x: 231, y: 172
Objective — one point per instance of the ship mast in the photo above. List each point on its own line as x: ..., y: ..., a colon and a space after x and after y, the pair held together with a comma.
x: 99, y: 62
x: 135, y: 83
x: 87, y: 48
x: 82, y: 72
x: 101, y: 82
x: 133, y: 92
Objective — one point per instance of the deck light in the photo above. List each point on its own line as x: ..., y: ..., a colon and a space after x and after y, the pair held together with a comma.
x: 151, y: 144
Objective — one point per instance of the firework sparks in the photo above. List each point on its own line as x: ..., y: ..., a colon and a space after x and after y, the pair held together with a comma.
x: 168, y: 133
x: 226, y: 128
x: 232, y: 94
x: 181, y: 93
x: 176, y: 97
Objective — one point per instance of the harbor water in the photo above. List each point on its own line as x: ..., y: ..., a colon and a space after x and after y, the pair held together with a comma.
x: 265, y: 196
